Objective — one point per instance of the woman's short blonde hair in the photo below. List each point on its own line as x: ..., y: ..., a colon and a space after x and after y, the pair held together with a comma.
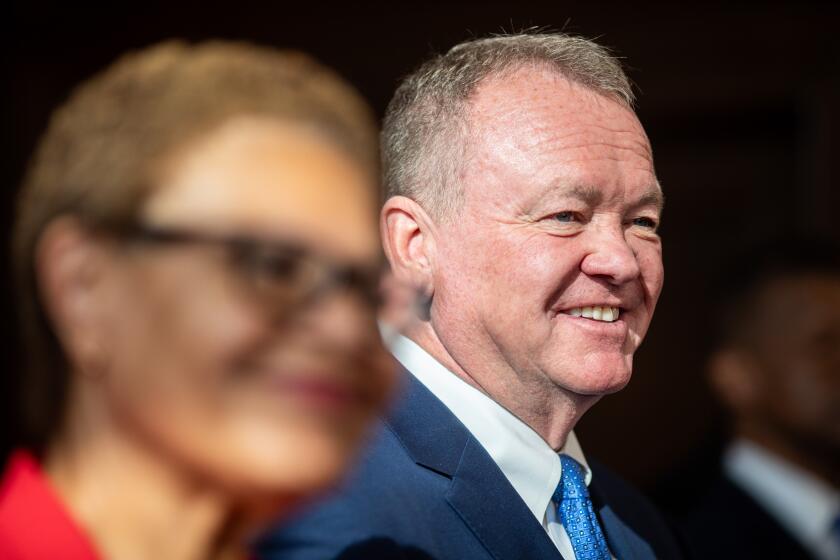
x: 98, y: 158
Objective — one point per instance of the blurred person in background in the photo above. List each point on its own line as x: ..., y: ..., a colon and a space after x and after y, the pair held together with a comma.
x: 197, y: 260
x: 776, y: 368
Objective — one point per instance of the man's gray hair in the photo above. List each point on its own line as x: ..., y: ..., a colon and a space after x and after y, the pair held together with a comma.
x: 424, y: 133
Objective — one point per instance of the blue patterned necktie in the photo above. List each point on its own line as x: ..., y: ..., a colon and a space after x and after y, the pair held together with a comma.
x: 575, y: 511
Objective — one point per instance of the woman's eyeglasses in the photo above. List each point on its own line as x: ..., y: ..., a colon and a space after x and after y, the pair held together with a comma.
x: 285, y: 275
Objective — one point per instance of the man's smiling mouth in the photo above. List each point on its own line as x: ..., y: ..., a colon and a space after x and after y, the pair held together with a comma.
x: 598, y: 313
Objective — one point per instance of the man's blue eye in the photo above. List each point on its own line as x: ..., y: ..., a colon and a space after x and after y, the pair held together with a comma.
x: 645, y: 222
x: 564, y: 216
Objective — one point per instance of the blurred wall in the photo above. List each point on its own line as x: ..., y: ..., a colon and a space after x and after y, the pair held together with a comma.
x: 741, y: 104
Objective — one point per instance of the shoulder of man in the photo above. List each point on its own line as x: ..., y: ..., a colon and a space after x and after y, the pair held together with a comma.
x: 373, y: 515
x: 727, y: 523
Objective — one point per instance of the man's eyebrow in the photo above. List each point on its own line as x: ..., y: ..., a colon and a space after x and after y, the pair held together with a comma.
x: 592, y: 196
x: 652, y: 197
x: 585, y: 193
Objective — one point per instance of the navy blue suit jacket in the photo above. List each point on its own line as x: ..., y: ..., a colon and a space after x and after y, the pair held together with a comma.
x: 742, y: 528
x: 426, y: 489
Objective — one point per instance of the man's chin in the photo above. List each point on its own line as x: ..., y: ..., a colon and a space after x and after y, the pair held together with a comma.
x: 602, y: 379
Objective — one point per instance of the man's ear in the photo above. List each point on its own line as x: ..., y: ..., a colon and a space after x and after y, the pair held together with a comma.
x: 69, y: 264
x: 736, y: 379
x: 408, y: 238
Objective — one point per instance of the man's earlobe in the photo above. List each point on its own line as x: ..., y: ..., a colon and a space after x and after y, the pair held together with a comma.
x: 409, y: 242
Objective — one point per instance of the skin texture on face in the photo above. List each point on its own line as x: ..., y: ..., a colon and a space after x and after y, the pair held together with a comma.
x: 245, y: 397
x: 560, y: 210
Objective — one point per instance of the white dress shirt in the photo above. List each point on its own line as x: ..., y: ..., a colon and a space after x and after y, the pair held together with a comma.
x: 531, y: 466
x: 801, y: 503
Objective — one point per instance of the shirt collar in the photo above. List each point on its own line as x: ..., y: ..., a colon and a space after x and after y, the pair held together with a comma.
x: 805, y: 505
x: 527, y: 461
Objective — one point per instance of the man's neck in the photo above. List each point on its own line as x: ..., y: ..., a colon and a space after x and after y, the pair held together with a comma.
x: 548, y: 410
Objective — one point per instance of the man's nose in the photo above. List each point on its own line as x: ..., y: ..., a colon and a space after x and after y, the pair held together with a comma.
x: 611, y: 257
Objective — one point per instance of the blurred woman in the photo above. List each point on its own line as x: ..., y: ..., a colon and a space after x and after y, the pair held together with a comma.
x: 197, y: 259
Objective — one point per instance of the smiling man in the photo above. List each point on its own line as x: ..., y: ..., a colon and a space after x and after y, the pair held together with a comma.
x: 523, y: 208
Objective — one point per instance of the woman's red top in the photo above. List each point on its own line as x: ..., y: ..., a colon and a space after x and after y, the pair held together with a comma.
x: 34, y: 525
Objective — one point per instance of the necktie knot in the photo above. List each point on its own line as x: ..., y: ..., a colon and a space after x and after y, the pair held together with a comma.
x: 573, y: 481
x: 576, y: 513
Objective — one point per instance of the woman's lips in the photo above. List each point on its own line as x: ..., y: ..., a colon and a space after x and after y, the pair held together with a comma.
x: 318, y: 392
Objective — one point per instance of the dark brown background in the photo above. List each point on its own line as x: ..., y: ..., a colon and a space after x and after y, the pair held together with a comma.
x: 740, y: 102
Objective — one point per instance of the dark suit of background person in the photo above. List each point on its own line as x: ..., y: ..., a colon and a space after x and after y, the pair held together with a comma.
x: 776, y: 367
x: 549, y: 208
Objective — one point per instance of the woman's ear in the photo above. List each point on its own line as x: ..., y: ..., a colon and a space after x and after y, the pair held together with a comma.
x: 408, y: 238
x: 70, y: 263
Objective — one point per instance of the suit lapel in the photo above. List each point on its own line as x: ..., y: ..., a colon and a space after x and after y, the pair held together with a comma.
x: 479, y: 492
x: 623, y: 541
x: 492, y: 509
x: 431, y: 434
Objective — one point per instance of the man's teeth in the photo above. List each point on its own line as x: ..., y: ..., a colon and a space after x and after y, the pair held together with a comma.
x: 608, y: 314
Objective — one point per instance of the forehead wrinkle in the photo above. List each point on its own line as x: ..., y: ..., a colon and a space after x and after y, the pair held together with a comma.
x: 575, y: 140
x: 491, y: 125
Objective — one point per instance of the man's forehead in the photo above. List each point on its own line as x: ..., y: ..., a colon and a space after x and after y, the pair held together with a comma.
x: 536, y: 106
x: 792, y: 309
x: 556, y: 138
x: 531, y: 86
